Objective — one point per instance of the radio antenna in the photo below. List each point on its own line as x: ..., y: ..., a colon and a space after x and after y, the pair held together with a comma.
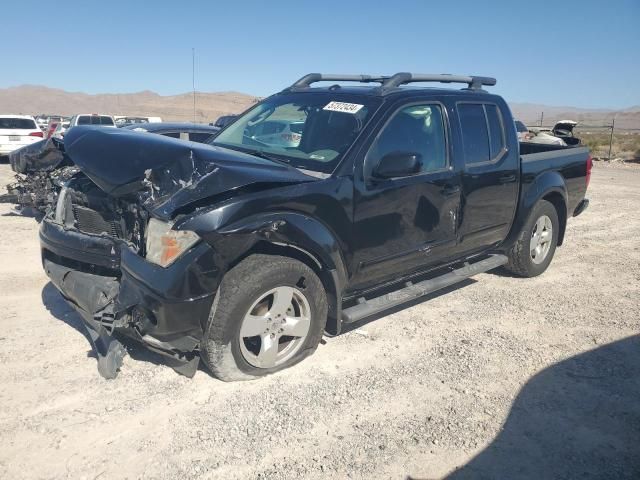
x: 193, y: 81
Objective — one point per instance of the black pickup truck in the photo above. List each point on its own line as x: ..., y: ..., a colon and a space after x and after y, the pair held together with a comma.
x: 351, y: 200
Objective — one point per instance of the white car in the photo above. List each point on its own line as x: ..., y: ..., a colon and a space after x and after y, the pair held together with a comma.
x: 122, y: 120
x: 17, y: 131
x: 92, y: 119
x: 280, y: 133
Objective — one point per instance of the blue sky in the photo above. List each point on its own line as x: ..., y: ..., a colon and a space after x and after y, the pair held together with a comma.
x: 563, y: 52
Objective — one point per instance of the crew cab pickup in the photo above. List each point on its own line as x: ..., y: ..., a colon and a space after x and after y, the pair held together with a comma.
x: 244, y: 252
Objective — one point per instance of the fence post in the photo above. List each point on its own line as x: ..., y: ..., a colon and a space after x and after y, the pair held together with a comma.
x: 613, y: 126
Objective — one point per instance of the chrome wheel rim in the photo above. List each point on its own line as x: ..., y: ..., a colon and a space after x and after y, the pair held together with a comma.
x: 541, y: 237
x: 275, y: 327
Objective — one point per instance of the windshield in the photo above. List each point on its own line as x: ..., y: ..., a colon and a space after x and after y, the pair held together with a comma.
x: 310, y: 131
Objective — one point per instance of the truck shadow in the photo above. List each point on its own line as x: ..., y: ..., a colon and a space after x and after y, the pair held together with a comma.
x: 579, y: 418
x: 27, y: 212
x: 60, y: 309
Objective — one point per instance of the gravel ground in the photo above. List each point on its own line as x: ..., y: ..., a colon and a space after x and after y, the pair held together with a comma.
x: 499, y: 378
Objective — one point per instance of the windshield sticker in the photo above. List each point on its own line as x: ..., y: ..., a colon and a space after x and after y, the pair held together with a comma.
x: 343, y: 107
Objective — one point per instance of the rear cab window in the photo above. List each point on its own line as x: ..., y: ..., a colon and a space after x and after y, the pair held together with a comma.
x: 17, y: 124
x: 94, y: 120
x: 483, y: 135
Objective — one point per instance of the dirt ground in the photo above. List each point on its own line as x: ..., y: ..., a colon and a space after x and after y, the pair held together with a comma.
x: 500, y: 378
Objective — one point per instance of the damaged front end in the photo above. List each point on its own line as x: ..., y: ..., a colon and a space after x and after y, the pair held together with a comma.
x: 41, y: 170
x: 96, y: 239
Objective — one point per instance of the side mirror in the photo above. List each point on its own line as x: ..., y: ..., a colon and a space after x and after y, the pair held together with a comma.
x: 398, y: 164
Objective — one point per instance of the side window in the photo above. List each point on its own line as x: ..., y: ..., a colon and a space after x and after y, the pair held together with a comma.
x: 482, y: 132
x: 475, y: 137
x: 496, y: 130
x: 199, y: 137
x: 414, y: 129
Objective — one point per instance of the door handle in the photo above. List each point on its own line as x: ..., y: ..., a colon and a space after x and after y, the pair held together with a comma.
x: 507, y: 178
x: 448, y: 190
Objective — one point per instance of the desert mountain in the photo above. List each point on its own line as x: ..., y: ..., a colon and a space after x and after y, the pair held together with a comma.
x: 32, y: 99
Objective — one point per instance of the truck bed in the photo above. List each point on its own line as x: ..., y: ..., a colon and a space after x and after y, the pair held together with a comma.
x: 569, y: 162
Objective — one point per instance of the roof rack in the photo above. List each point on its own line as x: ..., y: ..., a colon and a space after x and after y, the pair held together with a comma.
x: 387, y: 82
x: 310, y: 78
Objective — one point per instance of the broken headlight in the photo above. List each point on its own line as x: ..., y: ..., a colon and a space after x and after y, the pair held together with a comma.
x: 165, y: 245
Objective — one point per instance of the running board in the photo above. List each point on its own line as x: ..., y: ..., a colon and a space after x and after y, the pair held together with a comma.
x: 365, y: 308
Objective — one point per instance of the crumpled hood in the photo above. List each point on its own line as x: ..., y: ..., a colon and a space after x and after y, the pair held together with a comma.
x: 42, y: 156
x: 176, y: 173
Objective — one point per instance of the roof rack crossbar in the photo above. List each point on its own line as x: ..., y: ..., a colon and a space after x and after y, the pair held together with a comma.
x: 402, y: 78
x: 310, y: 78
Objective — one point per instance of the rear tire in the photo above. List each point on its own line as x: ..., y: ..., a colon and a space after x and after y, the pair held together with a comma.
x: 269, y: 314
x: 533, y: 251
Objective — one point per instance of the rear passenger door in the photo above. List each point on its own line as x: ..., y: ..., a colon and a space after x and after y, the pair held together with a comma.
x: 489, y: 176
x: 407, y: 223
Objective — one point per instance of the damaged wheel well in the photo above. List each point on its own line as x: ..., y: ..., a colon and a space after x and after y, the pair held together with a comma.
x: 268, y: 248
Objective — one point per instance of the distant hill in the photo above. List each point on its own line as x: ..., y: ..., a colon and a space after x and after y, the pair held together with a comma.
x: 34, y: 99
x: 529, y: 113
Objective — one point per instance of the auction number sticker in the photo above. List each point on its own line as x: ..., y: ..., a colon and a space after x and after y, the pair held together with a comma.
x: 343, y: 107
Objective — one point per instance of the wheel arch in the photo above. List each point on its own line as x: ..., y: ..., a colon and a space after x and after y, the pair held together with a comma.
x: 297, y: 236
x: 549, y: 186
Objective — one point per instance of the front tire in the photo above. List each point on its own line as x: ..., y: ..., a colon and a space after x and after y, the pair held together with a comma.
x: 533, y: 251
x: 269, y: 314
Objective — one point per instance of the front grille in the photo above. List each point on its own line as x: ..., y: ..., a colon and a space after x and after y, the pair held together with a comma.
x: 90, y: 221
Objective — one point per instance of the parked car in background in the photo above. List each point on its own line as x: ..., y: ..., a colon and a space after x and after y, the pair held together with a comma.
x: 17, y: 131
x: 83, y: 119
x: 243, y: 255
x: 561, y: 134
x: 92, y: 119
x: 523, y: 132
x: 194, y: 132
x: 42, y: 122
x: 224, y: 120
x: 122, y: 121
x: 60, y: 129
x: 52, y: 124
x: 564, y: 129
x: 285, y: 133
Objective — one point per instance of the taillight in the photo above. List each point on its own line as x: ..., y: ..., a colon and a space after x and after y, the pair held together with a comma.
x: 36, y: 134
x: 589, y: 166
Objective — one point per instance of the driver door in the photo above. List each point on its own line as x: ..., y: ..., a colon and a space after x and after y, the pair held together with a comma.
x: 405, y: 224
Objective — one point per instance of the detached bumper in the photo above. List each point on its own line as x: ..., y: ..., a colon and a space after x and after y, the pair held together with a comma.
x: 118, y: 292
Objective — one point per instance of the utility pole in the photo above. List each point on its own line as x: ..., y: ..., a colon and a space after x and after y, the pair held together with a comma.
x: 541, y: 118
x: 193, y: 81
x: 613, y: 126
